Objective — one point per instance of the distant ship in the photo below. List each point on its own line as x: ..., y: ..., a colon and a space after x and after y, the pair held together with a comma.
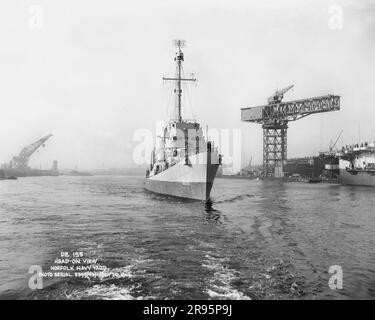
x: 357, y: 165
x: 183, y: 164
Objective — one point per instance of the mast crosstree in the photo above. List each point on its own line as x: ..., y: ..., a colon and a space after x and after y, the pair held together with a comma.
x: 178, y: 77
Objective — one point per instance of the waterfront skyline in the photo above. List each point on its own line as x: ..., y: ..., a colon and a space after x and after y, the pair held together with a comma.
x: 88, y: 78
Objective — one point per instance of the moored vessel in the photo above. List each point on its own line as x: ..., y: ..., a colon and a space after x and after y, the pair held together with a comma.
x: 357, y: 164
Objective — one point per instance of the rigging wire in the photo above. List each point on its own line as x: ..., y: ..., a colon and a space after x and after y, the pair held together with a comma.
x: 170, y: 88
x: 189, y: 96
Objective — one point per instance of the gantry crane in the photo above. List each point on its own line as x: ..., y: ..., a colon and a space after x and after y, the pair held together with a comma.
x: 21, y: 161
x: 274, y: 118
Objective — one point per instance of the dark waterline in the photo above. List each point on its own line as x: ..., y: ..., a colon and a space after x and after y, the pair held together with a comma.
x: 257, y: 240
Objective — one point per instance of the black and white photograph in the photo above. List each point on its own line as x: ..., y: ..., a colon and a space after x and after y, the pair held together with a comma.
x: 200, y: 151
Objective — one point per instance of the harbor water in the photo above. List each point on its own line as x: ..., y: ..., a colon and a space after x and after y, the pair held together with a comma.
x: 255, y: 240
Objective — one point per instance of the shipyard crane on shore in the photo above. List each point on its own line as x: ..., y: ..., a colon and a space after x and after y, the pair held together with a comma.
x: 274, y: 118
x: 22, y: 160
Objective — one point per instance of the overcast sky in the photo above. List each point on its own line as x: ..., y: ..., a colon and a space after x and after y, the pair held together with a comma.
x: 90, y: 72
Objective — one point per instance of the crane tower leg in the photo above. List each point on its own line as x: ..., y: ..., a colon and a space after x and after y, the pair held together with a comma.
x: 274, y: 147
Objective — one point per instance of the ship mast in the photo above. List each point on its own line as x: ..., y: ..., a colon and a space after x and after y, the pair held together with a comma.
x: 178, y: 79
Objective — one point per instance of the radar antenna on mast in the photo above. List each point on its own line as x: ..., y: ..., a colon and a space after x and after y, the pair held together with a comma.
x: 179, y: 43
x: 178, y: 79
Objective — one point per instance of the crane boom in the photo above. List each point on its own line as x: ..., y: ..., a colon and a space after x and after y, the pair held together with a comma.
x: 279, y: 94
x: 291, y: 110
x: 334, y: 145
x: 21, y: 161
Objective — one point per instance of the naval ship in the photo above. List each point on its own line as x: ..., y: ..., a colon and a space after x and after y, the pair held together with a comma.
x: 183, y: 163
x: 357, y: 164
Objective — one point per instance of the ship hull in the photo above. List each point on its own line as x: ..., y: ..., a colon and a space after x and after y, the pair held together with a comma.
x: 191, y: 190
x: 359, y: 179
x: 192, y: 181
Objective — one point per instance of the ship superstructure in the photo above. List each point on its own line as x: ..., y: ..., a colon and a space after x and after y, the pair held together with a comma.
x: 357, y: 164
x: 184, y: 163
